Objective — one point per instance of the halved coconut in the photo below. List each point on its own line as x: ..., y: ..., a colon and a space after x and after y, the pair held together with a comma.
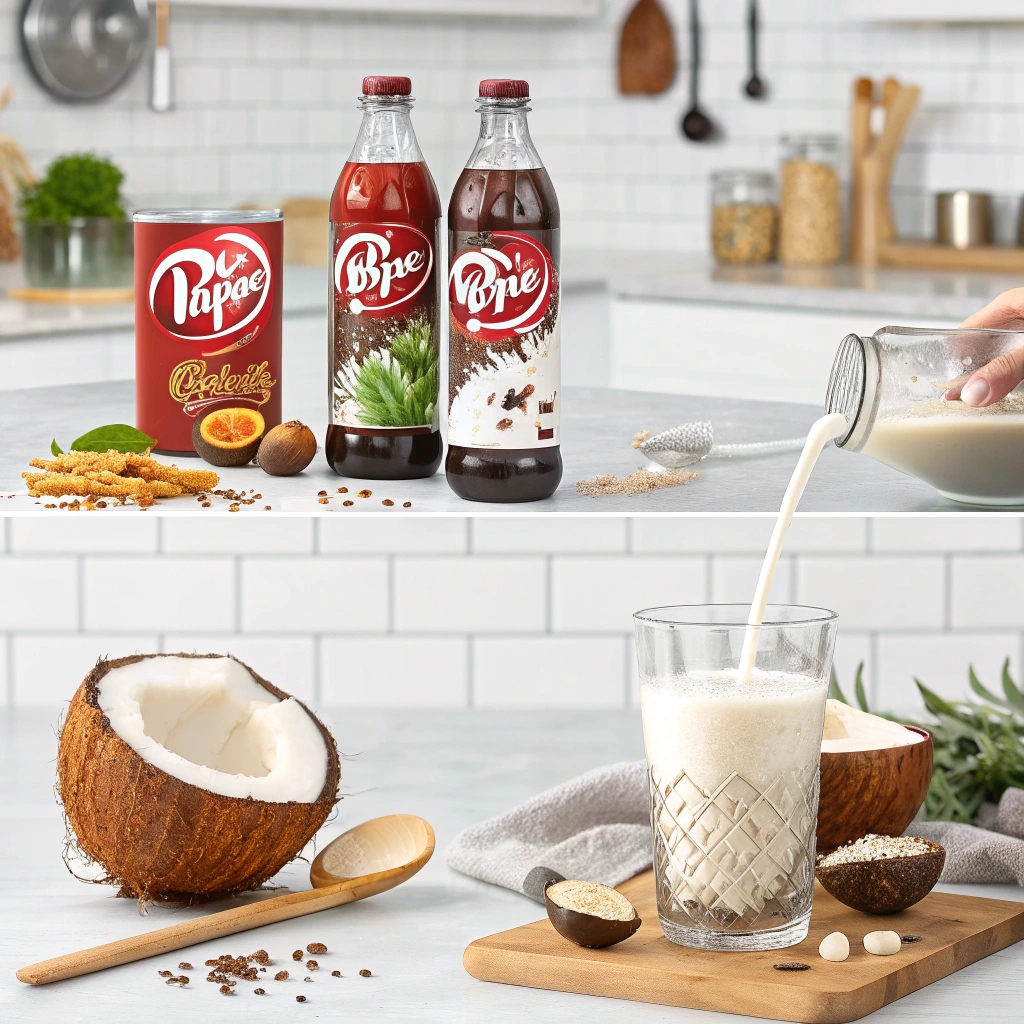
x: 188, y: 775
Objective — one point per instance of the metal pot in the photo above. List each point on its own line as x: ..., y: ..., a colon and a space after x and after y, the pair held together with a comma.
x: 85, y: 252
x: 963, y: 219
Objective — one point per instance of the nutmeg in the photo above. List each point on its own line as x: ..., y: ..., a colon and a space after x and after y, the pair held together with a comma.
x: 287, y: 449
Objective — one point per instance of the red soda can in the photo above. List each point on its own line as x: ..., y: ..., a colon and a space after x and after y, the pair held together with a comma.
x: 207, y: 318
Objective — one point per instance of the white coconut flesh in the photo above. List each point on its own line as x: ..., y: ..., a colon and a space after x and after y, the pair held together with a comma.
x: 208, y: 723
x: 848, y: 729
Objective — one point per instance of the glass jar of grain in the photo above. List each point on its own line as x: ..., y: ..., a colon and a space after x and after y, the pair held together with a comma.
x: 810, y: 217
x: 744, y: 218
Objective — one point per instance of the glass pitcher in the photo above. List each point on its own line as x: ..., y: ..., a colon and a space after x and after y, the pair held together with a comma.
x: 892, y: 389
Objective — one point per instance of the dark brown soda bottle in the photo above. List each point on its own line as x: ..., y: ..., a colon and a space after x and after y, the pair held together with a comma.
x: 503, y: 303
x: 384, y: 320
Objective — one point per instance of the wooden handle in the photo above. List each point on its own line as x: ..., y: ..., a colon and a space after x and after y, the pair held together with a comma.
x: 163, y: 17
x: 188, y: 933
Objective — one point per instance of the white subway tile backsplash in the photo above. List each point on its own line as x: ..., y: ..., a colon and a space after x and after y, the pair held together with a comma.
x: 734, y: 579
x: 395, y: 671
x: 591, y: 594
x: 289, y: 662
x: 471, y: 595
x: 987, y: 592
x: 83, y: 534
x: 47, y: 669
x: 948, y: 533
x: 38, y: 593
x: 373, y: 535
x: 548, y: 672
x: 239, y: 535
x: 540, y: 536
x: 702, y: 535
x: 881, y: 593
x: 322, y: 595
x: 941, y: 663
x: 142, y: 594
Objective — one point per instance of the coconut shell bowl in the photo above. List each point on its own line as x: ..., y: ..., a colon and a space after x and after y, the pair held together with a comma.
x: 872, y: 791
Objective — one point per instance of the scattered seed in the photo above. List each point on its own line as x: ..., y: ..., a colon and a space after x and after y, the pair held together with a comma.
x: 789, y: 965
x: 256, y: 497
x: 365, y: 493
x: 406, y: 504
x: 164, y: 974
x: 321, y: 494
x: 101, y: 504
x: 258, y: 992
x: 297, y: 955
x: 206, y: 504
x: 910, y: 938
x: 307, y: 979
x: 172, y: 981
x: 312, y: 965
x: 184, y: 966
x: 300, y: 999
x: 261, y: 956
x: 266, y: 508
x: 316, y: 948
x: 347, y: 503
x: 233, y: 507
x: 226, y: 990
x: 47, y: 506
x: 281, y: 976
x: 343, y: 490
x: 335, y: 974
x: 364, y: 973
x: 212, y: 963
x: 323, y: 501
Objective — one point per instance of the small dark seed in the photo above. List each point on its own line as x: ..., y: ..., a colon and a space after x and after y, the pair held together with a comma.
x: 281, y: 976
x: 164, y: 974
x: 335, y: 974
x: 316, y: 948
x: 225, y: 990
x: 300, y: 999
x: 790, y: 966
x: 258, y: 992
x: 364, y: 973
x: 406, y: 504
x: 910, y: 938
x: 297, y: 955
x: 183, y: 980
x: 184, y: 966
x: 365, y: 493
x: 312, y: 965
x: 388, y: 502
x: 347, y: 503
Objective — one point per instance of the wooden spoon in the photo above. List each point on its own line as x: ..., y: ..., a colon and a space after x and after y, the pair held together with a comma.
x: 368, y: 859
x: 647, y: 53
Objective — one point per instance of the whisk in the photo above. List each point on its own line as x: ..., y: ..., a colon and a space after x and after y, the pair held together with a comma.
x: 690, y: 443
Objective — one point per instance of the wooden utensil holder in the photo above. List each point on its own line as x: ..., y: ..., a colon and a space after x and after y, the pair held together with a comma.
x: 873, y: 239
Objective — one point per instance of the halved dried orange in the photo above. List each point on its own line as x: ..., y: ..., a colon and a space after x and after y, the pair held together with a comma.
x: 228, y: 437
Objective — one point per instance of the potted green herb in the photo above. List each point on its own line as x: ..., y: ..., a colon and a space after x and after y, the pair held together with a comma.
x: 76, y: 233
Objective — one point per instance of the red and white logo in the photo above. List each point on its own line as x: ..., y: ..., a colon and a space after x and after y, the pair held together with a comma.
x: 211, y: 285
x: 379, y: 269
x: 502, y: 290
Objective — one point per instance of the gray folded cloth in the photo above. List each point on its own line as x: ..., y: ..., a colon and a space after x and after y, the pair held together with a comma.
x: 597, y: 826
x: 992, y: 854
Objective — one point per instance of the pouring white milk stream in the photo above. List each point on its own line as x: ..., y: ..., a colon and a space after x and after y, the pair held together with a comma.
x: 823, y: 431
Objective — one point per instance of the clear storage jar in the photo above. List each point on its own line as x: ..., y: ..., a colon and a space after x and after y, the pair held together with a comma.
x: 810, y: 218
x: 744, y: 217
x: 899, y: 390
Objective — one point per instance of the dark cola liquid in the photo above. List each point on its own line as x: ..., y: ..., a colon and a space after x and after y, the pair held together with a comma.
x: 485, y: 201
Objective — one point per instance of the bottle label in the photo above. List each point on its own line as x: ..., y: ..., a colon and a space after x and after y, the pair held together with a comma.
x: 384, y: 329
x: 503, y: 301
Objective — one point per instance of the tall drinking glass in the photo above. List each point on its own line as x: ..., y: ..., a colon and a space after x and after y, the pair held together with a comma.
x: 733, y: 769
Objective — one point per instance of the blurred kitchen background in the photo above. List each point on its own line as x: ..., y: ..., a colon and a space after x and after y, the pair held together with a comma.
x: 491, y: 613
x: 264, y: 112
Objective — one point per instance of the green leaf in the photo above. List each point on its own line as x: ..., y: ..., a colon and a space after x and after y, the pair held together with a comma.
x: 78, y: 185
x: 55, y: 449
x: 834, y: 691
x: 118, y: 437
x: 858, y: 689
x: 983, y: 691
x: 1014, y: 698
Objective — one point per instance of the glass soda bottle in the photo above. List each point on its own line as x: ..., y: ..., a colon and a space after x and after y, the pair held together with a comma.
x: 503, y: 305
x: 384, y: 309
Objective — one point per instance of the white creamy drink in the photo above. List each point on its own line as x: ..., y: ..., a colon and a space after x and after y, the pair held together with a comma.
x: 736, y: 763
x: 965, y: 454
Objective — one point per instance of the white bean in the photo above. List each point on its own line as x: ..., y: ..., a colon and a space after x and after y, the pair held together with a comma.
x: 835, y: 947
x: 882, y: 943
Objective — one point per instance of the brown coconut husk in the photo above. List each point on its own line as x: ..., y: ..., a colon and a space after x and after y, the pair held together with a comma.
x: 125, y: 813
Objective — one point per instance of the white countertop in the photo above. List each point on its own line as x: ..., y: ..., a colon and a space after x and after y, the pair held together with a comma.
x: 453, y: 768
x: 687, y: 277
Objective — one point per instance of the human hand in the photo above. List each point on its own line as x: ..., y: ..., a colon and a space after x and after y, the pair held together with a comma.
x: 998, y: 378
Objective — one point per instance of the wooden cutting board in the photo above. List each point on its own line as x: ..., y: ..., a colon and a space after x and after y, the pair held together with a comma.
x: 956, y: 931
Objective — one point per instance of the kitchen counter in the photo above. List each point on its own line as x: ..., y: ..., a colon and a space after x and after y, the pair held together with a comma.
x: 453, y: 768
x: 598, y: 425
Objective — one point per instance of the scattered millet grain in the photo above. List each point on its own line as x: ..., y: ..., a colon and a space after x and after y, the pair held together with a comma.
x: 910, y: 938
x: 335, y: 974
x: 226, y: 990
x: 258, y: 992
x: 184, y: 966
x: 312, y: 965
x: 300, y: 999
x: 316, y: 948
x: 164, y: 974
x: 297, y: 955
x: 343, y: 490
x: 281, y: 976
x: 347, y: 503
x: 406, y: 504
x: 365, y: 493
x: 261, y: 956
x: 874, y: 847
x: 321, y: 494
x: 388, y: 502
x: 364, y: 973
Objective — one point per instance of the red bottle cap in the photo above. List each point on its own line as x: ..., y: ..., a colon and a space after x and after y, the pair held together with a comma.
x: 505, y: 88
x: 387, y: 85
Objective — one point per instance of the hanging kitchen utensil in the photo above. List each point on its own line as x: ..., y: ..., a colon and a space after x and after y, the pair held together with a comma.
x: 755, y: 86
x: 696, y: 125
x: 160, y: 94
x: 83, y: 49
x: 647, y: 53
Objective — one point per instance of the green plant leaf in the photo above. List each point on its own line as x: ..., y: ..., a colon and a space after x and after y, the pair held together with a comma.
x: 982, y: 691
x: 834, y: 691
x: 77, y: 185
x: 1013, y: 696
x: 858, y: 689
x: 55, y: 449
x: 118, y: 437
